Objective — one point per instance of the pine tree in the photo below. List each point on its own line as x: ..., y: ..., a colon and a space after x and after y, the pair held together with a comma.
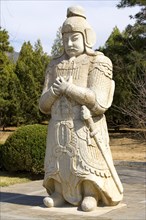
x: 135, y: 39
x: 4, y: 41
x: 127, y: 52
x: 140, y: 16
x: 57, y: 48
x: 41, y: 61
x: 24, y: 71
x: 10, y: 88
x: 30, y: 69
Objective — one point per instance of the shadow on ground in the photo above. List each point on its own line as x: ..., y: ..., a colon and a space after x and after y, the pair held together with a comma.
x: 21, y: 199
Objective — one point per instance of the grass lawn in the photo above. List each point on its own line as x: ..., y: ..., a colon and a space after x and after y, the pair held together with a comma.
x: 7, y: 178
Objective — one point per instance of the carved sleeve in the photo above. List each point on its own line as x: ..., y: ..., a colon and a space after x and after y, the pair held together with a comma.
x: 98, y: 95
x: 83, y: 96
x: 100, y: 81
x: 48, y: 96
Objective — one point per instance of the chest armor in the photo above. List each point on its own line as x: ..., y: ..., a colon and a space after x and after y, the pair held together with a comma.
x: 65, y: 108
x: 77, y: 68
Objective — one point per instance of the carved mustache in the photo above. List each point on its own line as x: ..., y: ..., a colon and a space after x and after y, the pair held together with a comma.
x: 70, y: 49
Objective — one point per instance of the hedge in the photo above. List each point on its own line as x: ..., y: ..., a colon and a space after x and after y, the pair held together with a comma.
x: 1, y: 153
x: 24, y: 150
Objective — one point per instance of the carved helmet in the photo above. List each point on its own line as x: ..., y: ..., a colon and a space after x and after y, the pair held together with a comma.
x: 76, y: 22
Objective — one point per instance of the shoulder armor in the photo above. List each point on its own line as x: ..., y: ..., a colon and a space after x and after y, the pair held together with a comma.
x: 101, y: 58
x: 102, y: 63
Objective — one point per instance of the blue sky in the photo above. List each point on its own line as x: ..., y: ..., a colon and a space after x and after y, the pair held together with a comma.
x: 29, y: 20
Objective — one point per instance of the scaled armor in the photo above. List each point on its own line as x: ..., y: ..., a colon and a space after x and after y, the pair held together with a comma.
x: 72, y: 155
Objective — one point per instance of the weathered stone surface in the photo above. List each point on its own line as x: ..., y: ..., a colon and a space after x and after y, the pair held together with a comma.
x: 78, y: 90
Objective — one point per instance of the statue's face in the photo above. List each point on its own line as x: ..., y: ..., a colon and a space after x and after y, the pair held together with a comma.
x: 73, y: 44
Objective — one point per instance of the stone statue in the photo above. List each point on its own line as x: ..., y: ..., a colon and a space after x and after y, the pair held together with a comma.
x: 78, y: 90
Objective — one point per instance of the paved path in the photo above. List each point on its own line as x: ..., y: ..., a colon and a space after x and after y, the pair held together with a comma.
x: 24, y: 201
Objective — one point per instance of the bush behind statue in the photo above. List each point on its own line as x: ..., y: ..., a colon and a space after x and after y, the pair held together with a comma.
x: 24, y: 150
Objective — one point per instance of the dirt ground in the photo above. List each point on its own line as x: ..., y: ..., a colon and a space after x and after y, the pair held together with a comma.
x: 126, y: 146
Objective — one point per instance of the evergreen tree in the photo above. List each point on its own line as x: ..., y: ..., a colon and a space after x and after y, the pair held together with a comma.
x: 24, y: 71
x: 140, y: 16
x: 30, y: 69
x: 127, y: 52
x: 115, y: 50
x: 41, y: 61
x: 4, y: 41
x: 57, y: 48
x: 135, y: 39
x: 10, y: 88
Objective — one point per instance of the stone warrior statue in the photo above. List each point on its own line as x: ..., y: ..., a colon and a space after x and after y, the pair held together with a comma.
x: 78, y: 90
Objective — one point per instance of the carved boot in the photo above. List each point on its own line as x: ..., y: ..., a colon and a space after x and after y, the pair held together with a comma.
x: 54, y: 200
x: 89, y: 203
x: 90, y: 200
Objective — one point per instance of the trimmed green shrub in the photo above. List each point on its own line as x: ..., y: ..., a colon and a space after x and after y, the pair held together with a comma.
x: 1, y: 153
x: 24, y: 150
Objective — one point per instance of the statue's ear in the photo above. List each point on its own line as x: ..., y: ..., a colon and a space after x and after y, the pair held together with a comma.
x: 90, y: 37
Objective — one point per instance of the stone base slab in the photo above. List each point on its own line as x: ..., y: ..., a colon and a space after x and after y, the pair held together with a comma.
x: 69, y: 210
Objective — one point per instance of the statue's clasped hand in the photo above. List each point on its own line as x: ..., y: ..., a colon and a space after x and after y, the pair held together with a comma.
x: 60, y: 85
